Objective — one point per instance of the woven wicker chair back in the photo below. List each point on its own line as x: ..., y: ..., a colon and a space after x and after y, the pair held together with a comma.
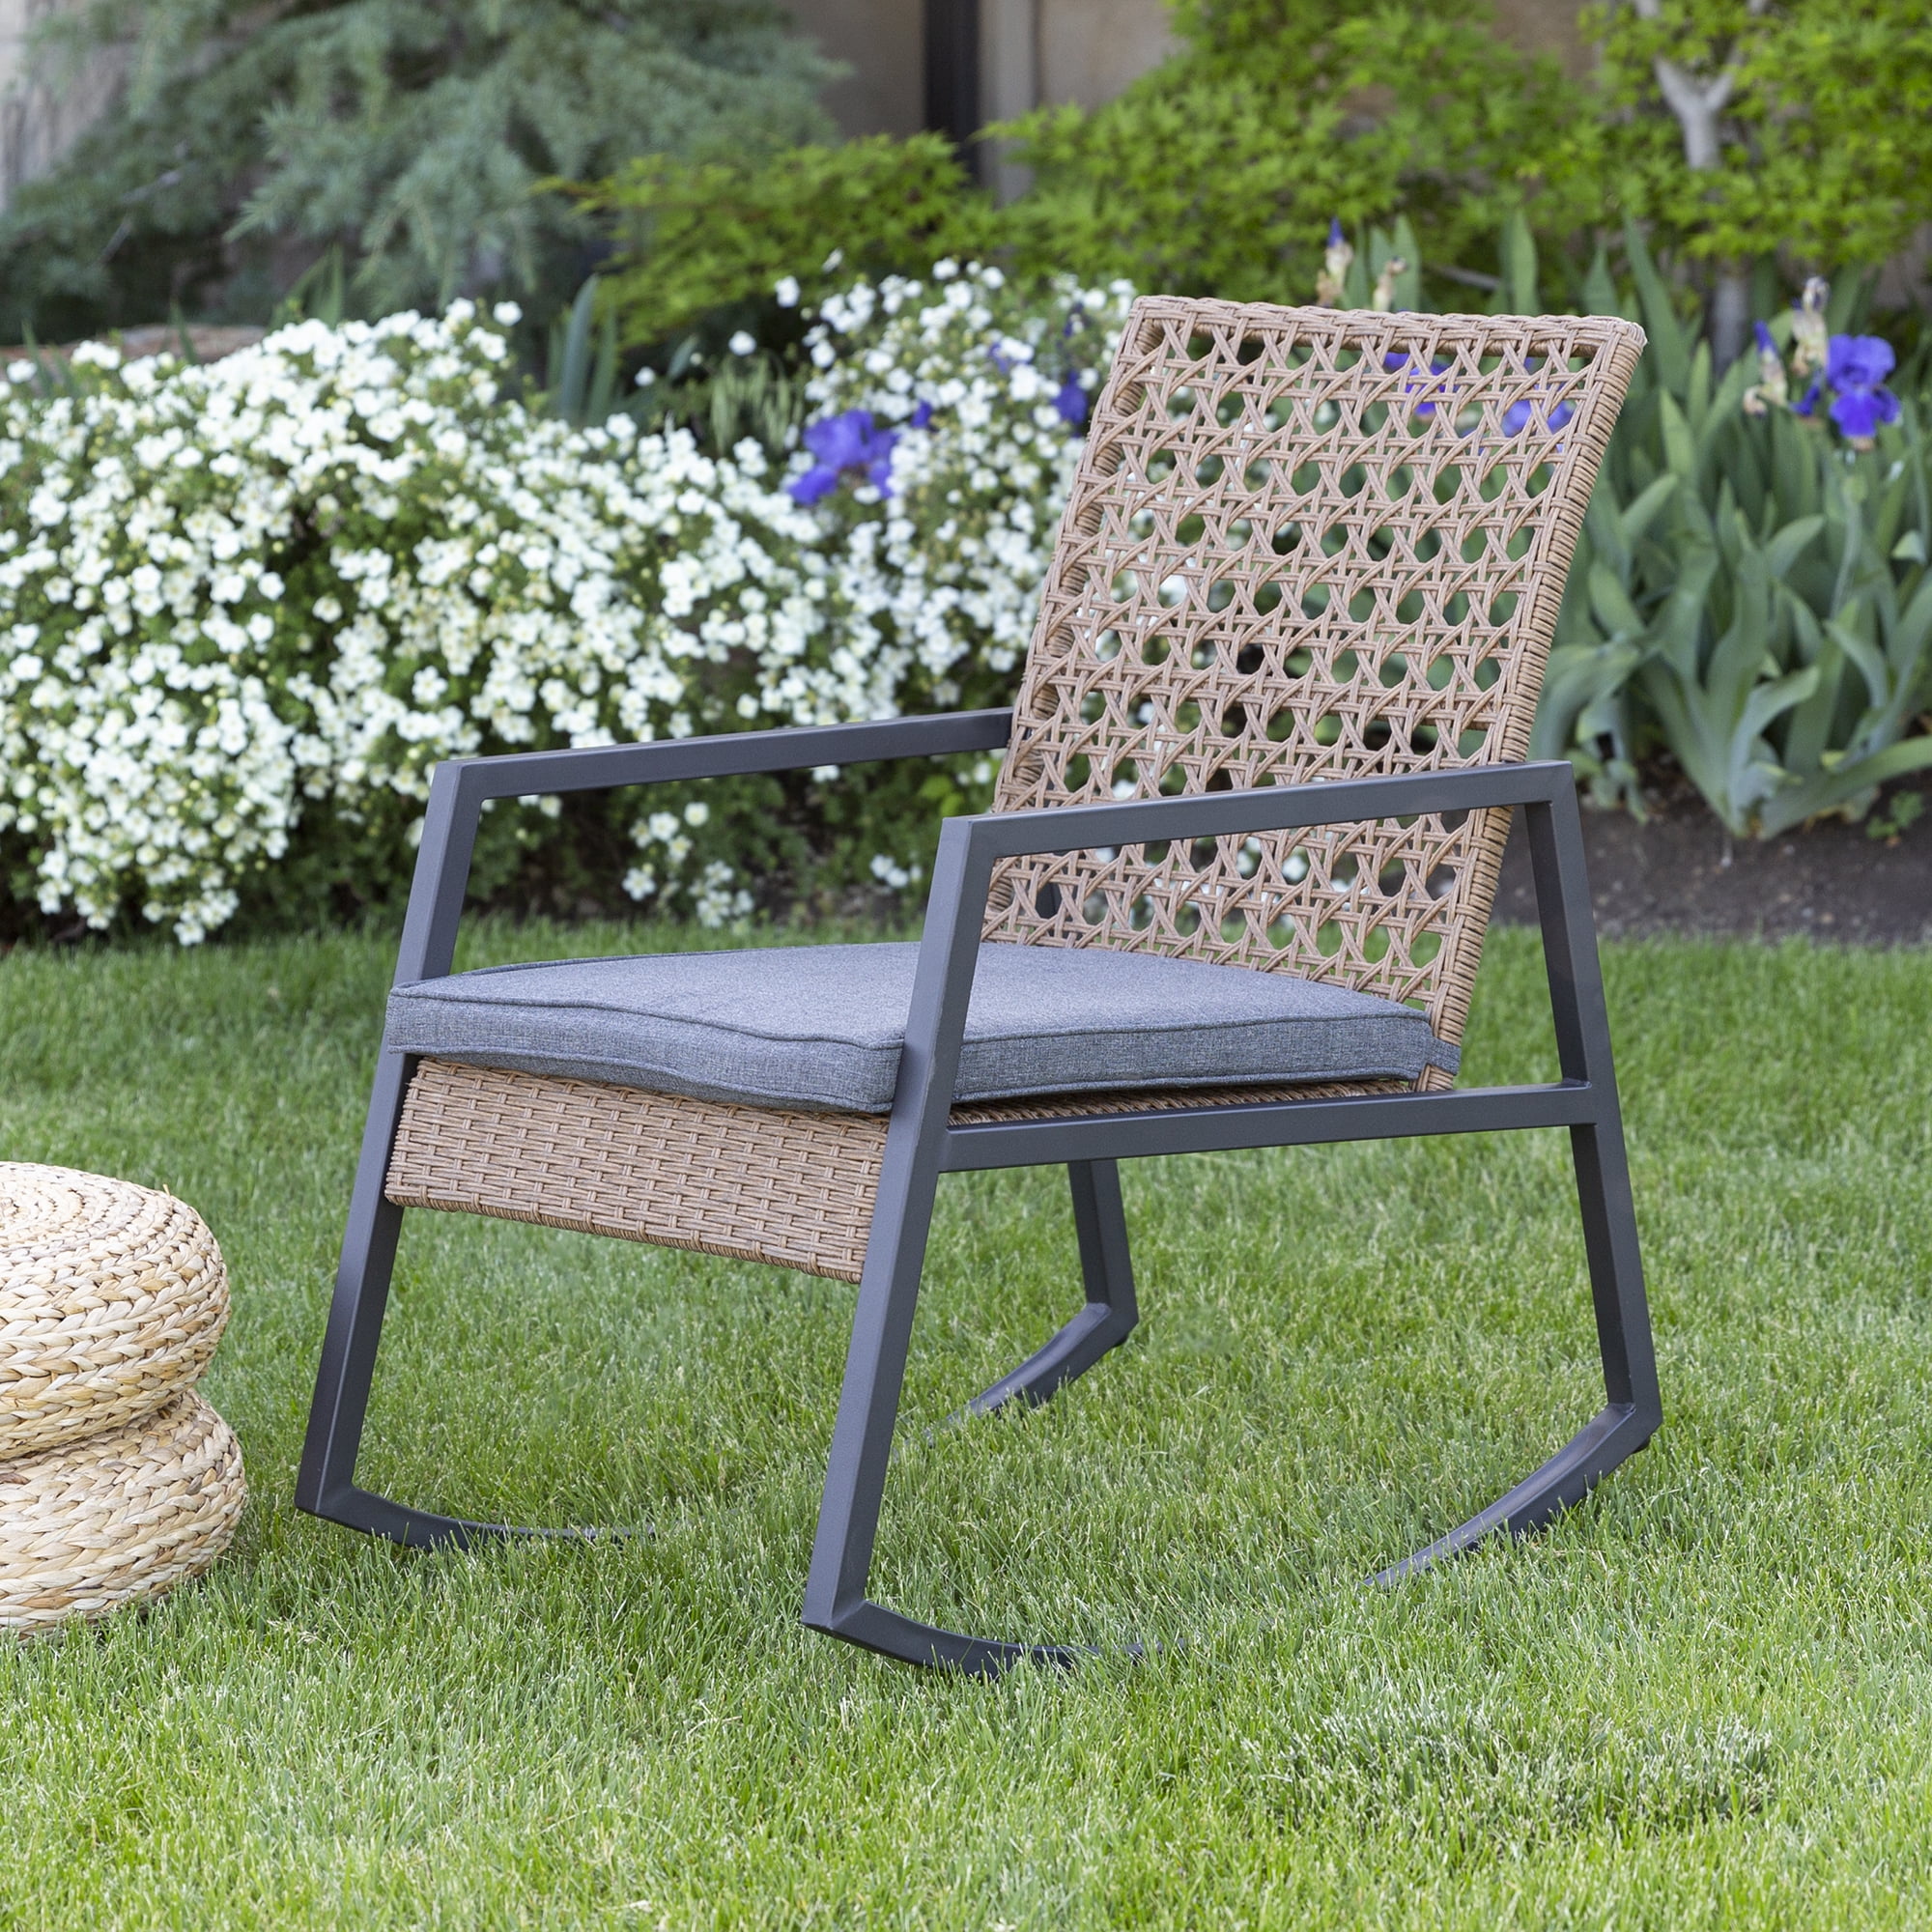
x: 1306, y: 544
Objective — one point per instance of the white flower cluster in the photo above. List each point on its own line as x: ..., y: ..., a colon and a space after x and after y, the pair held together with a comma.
x: 241, y: 600
x: 985, y: 386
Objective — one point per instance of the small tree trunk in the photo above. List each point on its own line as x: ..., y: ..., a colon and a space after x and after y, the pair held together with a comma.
x: 1698, y: 105
x: 1730, y: 314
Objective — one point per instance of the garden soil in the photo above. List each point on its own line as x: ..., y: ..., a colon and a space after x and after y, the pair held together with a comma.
x: 1678, y: 872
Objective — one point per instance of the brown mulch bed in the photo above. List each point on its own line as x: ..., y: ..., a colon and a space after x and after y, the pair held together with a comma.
x: 212, y: 341
x: 1678, y: 872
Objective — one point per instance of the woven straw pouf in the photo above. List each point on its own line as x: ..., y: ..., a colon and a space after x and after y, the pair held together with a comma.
x: 117, y: 1480
x: 112, y: 1298
x: 117, y: 1518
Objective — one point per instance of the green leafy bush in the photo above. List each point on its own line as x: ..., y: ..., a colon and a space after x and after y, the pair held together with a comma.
x: 1218, y: 172
x: 696, y: 237
x: 1750, y: 590
x: 1739, y: 129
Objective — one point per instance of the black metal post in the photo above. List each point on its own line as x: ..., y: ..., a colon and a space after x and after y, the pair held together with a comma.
x: 953, y: 73
x: 1107, y: 1268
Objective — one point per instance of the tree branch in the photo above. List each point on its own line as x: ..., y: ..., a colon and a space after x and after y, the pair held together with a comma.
x: 1696, y: 103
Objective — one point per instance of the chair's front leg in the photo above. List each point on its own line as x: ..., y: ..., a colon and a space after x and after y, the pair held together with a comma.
x: 861, y: 1437
x: 326, y: 1483
x: 327, y: 1478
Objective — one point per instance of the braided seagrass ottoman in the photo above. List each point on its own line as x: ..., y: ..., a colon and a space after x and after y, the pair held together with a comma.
x: 117, y: 1480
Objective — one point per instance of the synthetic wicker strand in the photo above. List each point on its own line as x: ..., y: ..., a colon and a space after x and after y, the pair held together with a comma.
x: 794, y: 1189
x: 1306, y: 544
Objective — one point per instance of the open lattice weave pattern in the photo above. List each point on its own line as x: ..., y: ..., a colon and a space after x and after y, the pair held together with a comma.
x: 112, y: 1297
x: 1306, y: 544
x: 119, y: 1518
x: 795, y: 1189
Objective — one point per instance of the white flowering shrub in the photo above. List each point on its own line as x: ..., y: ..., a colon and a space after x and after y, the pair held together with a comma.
x: 979, y: 391
x: 245, y: 607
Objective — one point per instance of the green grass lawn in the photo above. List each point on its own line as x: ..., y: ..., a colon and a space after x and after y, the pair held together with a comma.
x: 1705, y: 1698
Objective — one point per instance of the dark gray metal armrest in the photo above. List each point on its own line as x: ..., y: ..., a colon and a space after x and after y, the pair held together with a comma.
x: 460, y: 788
x: 970, y: 847
x: 1080, y: 828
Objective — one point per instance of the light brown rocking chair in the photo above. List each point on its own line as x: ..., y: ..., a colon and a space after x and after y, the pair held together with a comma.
x: 1232, y: 894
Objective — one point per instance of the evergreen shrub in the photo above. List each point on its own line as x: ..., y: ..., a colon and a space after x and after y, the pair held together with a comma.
x: 410, y: 135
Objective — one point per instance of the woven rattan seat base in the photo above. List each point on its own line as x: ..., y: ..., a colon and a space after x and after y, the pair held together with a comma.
x: 117, y: 1518
x: 795, y: 1189
x: 112, y: 1297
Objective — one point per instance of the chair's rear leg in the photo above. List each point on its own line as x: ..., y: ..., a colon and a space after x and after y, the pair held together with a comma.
x: 1634, y: 1406
x: 1108, y: 1319
x: 1617, y: 1273
x: 326, y: 1483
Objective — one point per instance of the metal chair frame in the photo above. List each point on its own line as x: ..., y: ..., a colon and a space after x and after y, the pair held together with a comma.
x: 922, y: 1141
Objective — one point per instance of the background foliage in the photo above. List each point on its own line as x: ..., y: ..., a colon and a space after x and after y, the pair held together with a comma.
x: 1820, y: 112
x: 1750, y: 599
x: 1218, y: 172
x: 409, y: 133
x: 1749, y: 593
x: 715, y: 238
x: 245, y: 609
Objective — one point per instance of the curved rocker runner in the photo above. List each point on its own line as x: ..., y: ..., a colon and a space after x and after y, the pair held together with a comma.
x: 1232, y: 894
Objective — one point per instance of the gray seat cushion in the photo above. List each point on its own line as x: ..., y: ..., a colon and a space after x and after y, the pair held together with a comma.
x: 822, y: 1026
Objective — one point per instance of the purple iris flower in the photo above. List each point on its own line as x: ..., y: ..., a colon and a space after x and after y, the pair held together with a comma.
x: 1070, y: 401
x: 1765, y: 344
x: 1335, y: 235
x: 1517, y: 417
x: 842, y: 442
x: 1856, y: 368
x: 1398, y: 358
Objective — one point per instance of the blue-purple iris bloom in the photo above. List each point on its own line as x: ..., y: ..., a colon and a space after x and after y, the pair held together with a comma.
x: 1397, y: 358
x: 849, y: 441
x: 1856, y: 368
x: 1517, y: 417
